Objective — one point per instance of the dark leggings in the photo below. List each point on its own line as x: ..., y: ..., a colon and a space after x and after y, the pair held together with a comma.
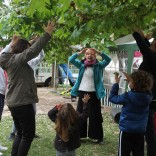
x: 150, y: 135
x: 24, y: 119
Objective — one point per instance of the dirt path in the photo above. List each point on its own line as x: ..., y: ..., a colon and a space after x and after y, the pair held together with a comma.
x: 47, y: 99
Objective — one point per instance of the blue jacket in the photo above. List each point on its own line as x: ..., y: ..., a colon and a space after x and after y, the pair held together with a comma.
x: 98, y: 74
x: 134, y: 113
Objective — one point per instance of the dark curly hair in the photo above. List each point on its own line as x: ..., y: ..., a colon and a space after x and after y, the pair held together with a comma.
x: 142, y: 81
x: 20, y: 46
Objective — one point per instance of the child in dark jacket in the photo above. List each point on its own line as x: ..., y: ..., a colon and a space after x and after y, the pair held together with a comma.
x: 134, y: 113
x: 68, y: 123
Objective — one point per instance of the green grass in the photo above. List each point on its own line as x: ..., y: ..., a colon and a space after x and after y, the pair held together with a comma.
x: 44, y: 145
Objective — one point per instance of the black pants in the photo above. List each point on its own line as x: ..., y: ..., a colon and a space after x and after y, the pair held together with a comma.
x: 131, y: 142
x: 95, y: 129
x: 24, y: 119
x: 150, y: 134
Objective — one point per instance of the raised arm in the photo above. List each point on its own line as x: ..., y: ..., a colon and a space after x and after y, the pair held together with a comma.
x: 37, y: 60
x: 73, y: 59
x: 7, y: 49
x: 105, y: 59
x: 142, y: 42
x: 52, y: 114
x: 35, y: 49
x: 114, y: 97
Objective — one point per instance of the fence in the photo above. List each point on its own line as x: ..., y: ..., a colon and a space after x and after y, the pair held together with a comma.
x: 119, y: 63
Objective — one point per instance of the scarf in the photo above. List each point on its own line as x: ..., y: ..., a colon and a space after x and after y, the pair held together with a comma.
x: 89, y: 63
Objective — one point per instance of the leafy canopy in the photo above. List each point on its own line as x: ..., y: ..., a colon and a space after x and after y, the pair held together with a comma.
x: 91, y: 23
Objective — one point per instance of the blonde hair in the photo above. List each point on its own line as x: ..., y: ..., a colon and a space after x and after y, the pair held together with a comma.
x: 65, y: 119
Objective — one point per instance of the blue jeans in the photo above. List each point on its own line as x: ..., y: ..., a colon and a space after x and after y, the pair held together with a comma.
x: 66, y: 153
x: 24, y: 120
x: 150, y: 135
x: 68, y: 73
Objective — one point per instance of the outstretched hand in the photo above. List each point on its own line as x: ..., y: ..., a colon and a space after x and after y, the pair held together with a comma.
x: 138, y: 30
x: 86, y: 98
x: 117, y: 78
x: 34, y: 39
x: 15, y: 38
x: 50, y: 27
x: 149, y: 36
x: 127, y: 76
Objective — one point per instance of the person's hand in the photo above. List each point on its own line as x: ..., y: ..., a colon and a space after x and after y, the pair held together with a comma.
x: 127, y: 76
x: 34, y: 39
x: 149, y: 36
x: 58, y: 106
x: 96, y: 51
x: 15, y: 38
x: 140, y: 32
x: 82, y: 51
x: 86, y: 98
x: 117, y: 77
x: 50, y: 27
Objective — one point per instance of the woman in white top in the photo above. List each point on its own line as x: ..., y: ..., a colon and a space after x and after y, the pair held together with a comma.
x: 90, y: 81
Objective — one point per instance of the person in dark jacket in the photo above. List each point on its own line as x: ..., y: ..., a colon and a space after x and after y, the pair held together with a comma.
x: 149, y: 65
x: 22, y: 90
x: 68, y: 123
x: 134, y: 113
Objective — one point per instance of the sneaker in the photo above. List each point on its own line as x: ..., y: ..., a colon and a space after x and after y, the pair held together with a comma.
x: 12, y: 136
x: 2, y: 148
x: 1, y: 154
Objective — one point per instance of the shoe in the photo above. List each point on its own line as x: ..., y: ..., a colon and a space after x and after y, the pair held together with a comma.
x: 2, y: 148
x: 101, y: 142
x: 1, y: 154
x: 12, y: 136
x: 73, y: 99
x: 36, y: 136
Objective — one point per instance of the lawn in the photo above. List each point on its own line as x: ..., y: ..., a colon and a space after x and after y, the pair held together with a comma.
x: 43, y: 146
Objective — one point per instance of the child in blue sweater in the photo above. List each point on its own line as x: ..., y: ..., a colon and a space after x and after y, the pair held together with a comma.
x: 134, y: 113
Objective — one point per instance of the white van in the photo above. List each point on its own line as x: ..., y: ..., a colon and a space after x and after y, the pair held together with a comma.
x: 43, y: 73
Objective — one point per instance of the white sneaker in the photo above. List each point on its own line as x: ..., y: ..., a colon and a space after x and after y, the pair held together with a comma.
x: 1, y: 154
x: 2, y: 148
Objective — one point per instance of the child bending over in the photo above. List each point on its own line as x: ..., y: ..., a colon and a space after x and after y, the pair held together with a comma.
x: 134, y: 113
x: 68, y: 123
